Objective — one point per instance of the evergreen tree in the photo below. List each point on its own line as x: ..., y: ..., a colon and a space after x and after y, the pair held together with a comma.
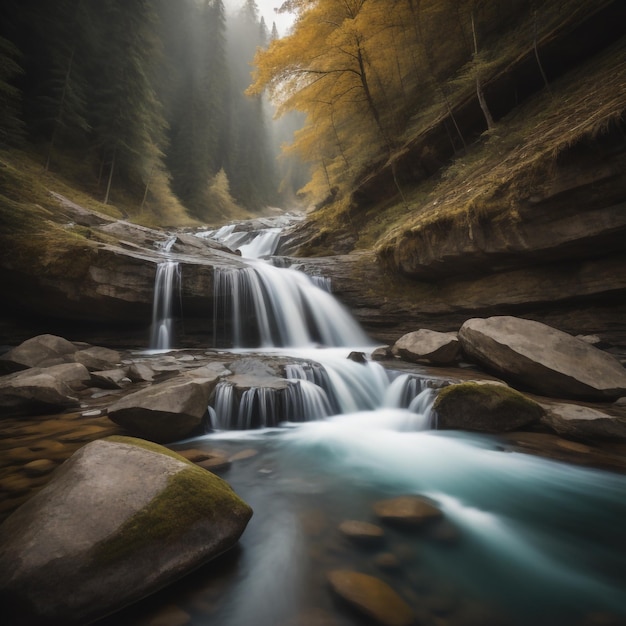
x: 11, y: 125
x: 197, y: 110
x: 127, y: 117
x: 251, y: 162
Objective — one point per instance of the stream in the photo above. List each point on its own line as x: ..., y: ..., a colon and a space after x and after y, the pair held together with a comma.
x: 524, y: 540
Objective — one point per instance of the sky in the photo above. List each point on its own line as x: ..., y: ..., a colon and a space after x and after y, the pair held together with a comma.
x: 266, y: 9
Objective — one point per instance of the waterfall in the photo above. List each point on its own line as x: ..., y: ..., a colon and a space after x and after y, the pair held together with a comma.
x: 166, y: 283
x: 315, y: 391
x: 260, y: 407
x: 265, y: 306
x: 262, y: 245
x: 252, y: 244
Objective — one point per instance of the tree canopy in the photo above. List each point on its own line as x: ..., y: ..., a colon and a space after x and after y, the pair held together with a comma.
x: 149, y: 92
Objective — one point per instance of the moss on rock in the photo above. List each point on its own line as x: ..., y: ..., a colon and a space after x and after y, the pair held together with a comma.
x: 191, y: 495
x: 484, y: 408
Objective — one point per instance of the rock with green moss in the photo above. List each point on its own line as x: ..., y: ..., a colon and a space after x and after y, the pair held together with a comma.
x: 119, y: 520
x: 490, y: 408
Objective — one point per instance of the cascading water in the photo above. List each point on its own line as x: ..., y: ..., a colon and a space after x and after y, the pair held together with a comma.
x: 265, y: 306
x: 166, y: 286
x: 524, y: 540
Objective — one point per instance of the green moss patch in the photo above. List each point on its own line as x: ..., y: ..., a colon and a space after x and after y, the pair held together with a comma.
x: 190, y: 496
x: 484, y: 408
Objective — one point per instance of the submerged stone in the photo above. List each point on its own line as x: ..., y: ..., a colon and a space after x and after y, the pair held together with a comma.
x: 371, y: 597
x: 407, y: 511
x: 361, y: 532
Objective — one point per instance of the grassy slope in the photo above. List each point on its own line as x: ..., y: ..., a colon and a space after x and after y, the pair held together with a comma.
x: 493, y: 171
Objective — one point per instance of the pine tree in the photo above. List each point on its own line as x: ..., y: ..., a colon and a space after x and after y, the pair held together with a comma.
x: 11, y: 125
x: 127, y: 118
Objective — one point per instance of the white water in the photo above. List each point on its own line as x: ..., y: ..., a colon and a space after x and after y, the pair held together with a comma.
x: 166, y: 288
x: 266, y: 306
x: 252, y: 245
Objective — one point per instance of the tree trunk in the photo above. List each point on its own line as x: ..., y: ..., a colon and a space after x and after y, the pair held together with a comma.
x: 59, y: 118
x: 479, y: 89
x: 543, y: 74
x: 106, y: 197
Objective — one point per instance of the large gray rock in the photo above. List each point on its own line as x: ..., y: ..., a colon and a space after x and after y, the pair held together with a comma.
x: 41, y: 351
x: 583, y: 422
x: 97, y: 358
x: 542, y: 358
x: 165, y: 411
x: 490, y: 408
x: 41, y: 389
x: 428, y: 346
x: 119, y: 520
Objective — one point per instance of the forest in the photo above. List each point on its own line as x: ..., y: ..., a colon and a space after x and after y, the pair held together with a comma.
x: 169, y: 104
x: 144, y: 101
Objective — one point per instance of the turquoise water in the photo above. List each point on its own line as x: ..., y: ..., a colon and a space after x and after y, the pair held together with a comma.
x: 527, y: 541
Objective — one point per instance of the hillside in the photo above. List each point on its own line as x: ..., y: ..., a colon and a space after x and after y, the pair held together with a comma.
x: 528, y: 218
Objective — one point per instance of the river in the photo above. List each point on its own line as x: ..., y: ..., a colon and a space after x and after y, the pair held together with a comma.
x: 524, y: 540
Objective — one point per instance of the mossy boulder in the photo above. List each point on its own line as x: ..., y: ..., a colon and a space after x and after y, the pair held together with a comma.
x: 119, y: 520
x: 489, y: 408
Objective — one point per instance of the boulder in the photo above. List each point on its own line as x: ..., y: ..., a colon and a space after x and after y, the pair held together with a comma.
x: 546, y: 360
x: 382, y: 353
x: 41, y: 389
x: 119, y: 520
x: 407, y: 511
x: 141, y: 373
x: 489, y: 408
x: 110, y: 379
x: 41, y: 350
x: 428, y: 346
x: 582, y: 422
x: 165, y: 411
x: 97, y: 358
x: 371, y: 597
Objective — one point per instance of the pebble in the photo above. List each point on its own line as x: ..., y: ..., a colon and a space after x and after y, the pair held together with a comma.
x: 361, y: 532
x: 407, y: 511
x: 371, y: 597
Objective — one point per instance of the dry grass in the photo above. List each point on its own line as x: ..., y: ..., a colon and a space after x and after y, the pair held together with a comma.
x: 504, y: 163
